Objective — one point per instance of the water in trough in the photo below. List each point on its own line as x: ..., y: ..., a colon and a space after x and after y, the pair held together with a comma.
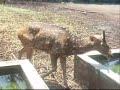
x: 113, y: 63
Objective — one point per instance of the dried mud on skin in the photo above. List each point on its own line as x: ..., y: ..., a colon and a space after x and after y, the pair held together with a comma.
x: 87, y: 24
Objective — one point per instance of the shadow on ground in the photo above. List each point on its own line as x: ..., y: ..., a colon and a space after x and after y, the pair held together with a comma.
x: 52, y: 84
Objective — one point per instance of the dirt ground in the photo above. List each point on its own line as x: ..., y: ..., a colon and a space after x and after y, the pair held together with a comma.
x: 96, y: 19
x: 91, y: 19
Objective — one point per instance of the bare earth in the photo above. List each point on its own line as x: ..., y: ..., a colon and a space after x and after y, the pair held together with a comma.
x: 91, y: 19
x: 96, y: 19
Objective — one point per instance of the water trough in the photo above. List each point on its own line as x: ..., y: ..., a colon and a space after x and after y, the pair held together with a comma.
x: 20, y: 74
x: 92, y: 70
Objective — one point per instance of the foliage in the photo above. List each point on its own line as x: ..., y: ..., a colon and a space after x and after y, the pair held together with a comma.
x: 2, y: 1
x: 116, y: 68
x: 12, y: 85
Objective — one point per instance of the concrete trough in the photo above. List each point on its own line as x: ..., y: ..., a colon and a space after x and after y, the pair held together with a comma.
x: 28, y: 72
x: 92, y: 74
